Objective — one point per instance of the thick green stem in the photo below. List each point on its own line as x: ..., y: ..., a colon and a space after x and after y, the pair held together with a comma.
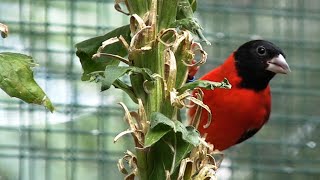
x: 156, y: 95
x: 167, y: 12
x: 139, y: 7
x: 142, y: 164
x: 162, y: 14
x: 149, y: 59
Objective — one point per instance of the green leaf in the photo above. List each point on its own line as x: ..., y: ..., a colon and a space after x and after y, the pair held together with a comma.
x: 112, y: 73
x: 16, y: 79
x: 158, y: 118
x: 162, y: 155
x: 183, y: 143
x: 154, y: 135
x: 160, y: 159
x: 190, y: 24
x: 205, y: 84
x: 126, y: 88
x: 169, y: 141
x: 86, y: 49
x: 183, y: 148
x: 160, y: 125
x: 193, y: 4
x: 185, y: 9
x: 190, y: 135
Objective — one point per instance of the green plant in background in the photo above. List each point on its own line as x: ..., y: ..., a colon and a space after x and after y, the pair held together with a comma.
x: 156, y: 50
x: 16, y: 76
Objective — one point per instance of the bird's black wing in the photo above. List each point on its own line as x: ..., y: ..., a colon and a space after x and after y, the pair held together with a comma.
x: 248, y: 134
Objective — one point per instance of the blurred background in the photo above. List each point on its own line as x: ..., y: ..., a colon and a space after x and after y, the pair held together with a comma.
x: 76, y: 141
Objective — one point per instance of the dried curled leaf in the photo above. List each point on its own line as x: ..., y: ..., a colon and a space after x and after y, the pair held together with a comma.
x: 129, y: 131
x: 4, y: 30
x: 183, y: 55
x: 121, y: 166
x: 138, y: 124
x: 168, y: 37
x: 201, y: 163
x: 168, y: 175
x: 117, y: 6
x: 178, y: 100
x: 197, y: 86
x: 134, y: 124
x: 124, y: 42
x: 170, y: 69
x: 197, y: 49
x: 198, y: 101
x: 136, y: 24
x: 142, y: 34
x: 184, y: 38
x: 108, y: 42
x: 143, y: 121
x: 206, y: 172
x: 136, y: 45
x: 130, y: 159
x: 185, y: 169
x: 113, y: 56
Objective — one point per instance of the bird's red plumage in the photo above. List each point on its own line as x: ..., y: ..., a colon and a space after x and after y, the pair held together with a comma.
x: 234, y: 111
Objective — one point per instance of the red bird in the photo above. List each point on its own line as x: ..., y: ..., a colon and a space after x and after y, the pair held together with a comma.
x: 240, y: 112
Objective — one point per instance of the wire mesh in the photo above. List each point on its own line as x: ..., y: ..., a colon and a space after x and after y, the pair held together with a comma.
x: 76, y: 142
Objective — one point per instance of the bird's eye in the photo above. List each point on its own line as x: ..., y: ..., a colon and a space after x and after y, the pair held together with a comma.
x: 261, y: 50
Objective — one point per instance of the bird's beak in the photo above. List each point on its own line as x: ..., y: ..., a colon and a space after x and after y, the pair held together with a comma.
x: 278, y: 64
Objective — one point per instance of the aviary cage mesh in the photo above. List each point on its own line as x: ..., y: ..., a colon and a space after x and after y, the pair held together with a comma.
x: 76, y: 141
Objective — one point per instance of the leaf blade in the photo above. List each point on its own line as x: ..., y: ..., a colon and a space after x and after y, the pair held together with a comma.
x: 111, y: 74
x: 17, y: 80
x: 86, y: 49
x: 205, y: 85
x: 114, y: 72
x: 160, y: 125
